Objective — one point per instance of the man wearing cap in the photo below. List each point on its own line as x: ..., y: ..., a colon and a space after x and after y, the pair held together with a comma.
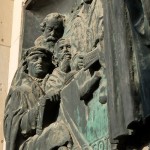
x: 26, y: 127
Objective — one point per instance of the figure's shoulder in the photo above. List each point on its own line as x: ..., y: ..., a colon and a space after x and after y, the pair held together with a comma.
x: 25, y: 85
x: 25, y: 89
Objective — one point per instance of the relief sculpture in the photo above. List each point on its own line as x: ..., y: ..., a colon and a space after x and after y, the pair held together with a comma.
x: 75, y: 89
x: 53, y: 29
x: 61, y: 74
x: 26, y: 127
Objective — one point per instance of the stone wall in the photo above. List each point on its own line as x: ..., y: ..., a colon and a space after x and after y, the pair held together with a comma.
x: 6, y: 10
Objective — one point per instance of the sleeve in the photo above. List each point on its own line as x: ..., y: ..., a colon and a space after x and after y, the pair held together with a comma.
x: 29, y: 120
x: 89, y: 84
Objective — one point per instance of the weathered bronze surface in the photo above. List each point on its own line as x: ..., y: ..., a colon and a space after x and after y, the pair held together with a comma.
x: 127, y: 55
x: 83, y: 84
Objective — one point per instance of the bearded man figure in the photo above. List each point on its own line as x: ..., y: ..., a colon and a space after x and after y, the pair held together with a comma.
x: 53, y: 28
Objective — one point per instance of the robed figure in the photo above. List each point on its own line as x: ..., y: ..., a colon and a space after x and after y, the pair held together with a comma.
x: 31, y: 114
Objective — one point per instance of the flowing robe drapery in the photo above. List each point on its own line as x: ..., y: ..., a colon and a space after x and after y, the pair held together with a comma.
x: 21, y: 120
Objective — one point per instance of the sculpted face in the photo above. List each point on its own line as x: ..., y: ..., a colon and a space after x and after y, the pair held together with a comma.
x: 38, y: 65
x: 64, y: 50
x: 53, y: 30
x: 62, y: 54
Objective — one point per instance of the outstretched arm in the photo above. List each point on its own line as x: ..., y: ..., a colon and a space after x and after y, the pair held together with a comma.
x: 88, y: 85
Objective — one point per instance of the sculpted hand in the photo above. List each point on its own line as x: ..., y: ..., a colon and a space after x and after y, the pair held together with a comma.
x: 53, y: 95
x: 97, y: 74
x: 65, y: 64
x: 78, y: 62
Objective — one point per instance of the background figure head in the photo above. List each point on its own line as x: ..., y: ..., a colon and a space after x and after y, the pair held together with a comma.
x: 62, y: 54
x: 38, y: 62
x: 53, y: 27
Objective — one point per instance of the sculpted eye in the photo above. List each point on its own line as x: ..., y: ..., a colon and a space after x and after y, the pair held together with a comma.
x: 68, y: 46
x: 34, y: 59
x: 50, y: 29
x: 45, y: 59
x: 61, y: 47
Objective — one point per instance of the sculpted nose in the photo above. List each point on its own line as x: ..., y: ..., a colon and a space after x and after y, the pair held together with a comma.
x: 65, y: 49
x: 39, y: 60
x: 52, y: 32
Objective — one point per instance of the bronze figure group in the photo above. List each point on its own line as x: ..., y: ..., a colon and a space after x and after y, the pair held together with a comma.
x: 33, y: 114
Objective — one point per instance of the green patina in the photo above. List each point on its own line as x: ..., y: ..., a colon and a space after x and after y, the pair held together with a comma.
x: 95, y: 130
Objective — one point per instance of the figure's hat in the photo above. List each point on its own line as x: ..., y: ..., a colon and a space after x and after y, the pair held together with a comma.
x: 38, y: 50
